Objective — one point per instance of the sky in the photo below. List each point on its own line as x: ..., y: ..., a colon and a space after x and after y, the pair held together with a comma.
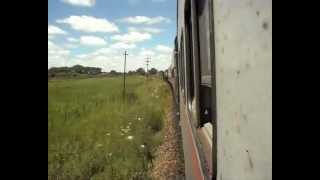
x: 97, y: 32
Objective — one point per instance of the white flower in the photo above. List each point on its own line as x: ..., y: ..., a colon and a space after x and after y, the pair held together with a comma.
x: 130, y: 137
x: 125, y: 130
x: 139, y: 118
x: 142, y: 146
x: 110, y: 154
x: 108, y: 134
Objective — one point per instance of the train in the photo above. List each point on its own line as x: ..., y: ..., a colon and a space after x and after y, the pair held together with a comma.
x: 221, y: 78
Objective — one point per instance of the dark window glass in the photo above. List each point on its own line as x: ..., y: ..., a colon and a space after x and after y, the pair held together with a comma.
x: 205, y: 61
x: 182, y: 60
x: 189, y: 58
x: 204, y: 41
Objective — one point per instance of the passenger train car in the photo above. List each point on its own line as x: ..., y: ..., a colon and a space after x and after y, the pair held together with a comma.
x: 221, y: 76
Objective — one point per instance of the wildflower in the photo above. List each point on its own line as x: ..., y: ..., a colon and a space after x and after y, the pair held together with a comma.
x: 108, y: 134
x: 142, y: 146
x: 125, y: 130
x: 110, y: 154
x: 139, y: 118
x: 130, y: 137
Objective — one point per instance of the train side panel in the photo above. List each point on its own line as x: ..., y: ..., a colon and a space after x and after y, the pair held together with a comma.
x: 193, y: 168
x: 243, y: 55
x: 194, y: 85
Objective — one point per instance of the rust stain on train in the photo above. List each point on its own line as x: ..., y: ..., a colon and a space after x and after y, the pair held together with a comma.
x: 195, y: 160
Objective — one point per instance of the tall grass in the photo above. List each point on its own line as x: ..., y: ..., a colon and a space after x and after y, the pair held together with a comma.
x: 94, y: 134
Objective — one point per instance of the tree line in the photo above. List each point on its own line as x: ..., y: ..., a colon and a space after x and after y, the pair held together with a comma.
x: 75, y: 69
x: 139, y: 71
x: 83, y: 70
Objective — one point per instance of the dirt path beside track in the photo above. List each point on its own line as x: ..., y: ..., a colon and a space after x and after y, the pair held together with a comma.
x: 169, y: 163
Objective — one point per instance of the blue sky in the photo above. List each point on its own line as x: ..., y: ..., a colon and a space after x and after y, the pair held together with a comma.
x: 97, y: 32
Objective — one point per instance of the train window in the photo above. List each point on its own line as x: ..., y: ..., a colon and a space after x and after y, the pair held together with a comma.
x: 182, y: 70
x: 205, y: 55
x: 189, y: 57
x: 177, y: 83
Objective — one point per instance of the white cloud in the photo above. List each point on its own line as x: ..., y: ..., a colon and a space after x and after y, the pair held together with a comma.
x: 54, y: 30
x: 87, y: 3
x: 57, y: 56
x: 71, y: 39
x: 104, y: 58
x: 132, y: 37
x: 111, y: 57
x: 89, y: 24
x: 159, y: 59
x: 147, y: 29
x: 50, y: 37
x: 145, y: 20
x: 146, y: 52
x: 101, y: 51
x: 81, y: 56
x: 163, y: 49
x: 54, y: 49
x: 92, y: 41
x: 121, y: 45
x: 70, y: 46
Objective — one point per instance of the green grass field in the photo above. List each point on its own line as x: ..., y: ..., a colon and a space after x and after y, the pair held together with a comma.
x: 93, y: 134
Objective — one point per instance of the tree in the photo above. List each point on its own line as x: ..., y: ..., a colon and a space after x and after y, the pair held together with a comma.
x: 153, y: 71
x: 131, y: 72
x: 141, y: 71
x: 77, y: 69
x: 113, y: 72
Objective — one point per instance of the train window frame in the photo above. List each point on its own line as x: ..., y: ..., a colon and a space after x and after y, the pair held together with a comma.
x: 206, y: 97
x: 182, y: 69
x: 177, y: 65
x: 189, y: 57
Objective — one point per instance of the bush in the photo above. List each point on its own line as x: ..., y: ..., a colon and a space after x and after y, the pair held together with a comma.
x: 156, y: 122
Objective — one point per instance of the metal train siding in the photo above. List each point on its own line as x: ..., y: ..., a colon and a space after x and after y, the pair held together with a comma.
x: 221, y: 75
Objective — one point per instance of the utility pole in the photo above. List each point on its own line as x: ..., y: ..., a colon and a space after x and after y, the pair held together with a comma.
x: 124, y: 75
x: 147, y: 61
